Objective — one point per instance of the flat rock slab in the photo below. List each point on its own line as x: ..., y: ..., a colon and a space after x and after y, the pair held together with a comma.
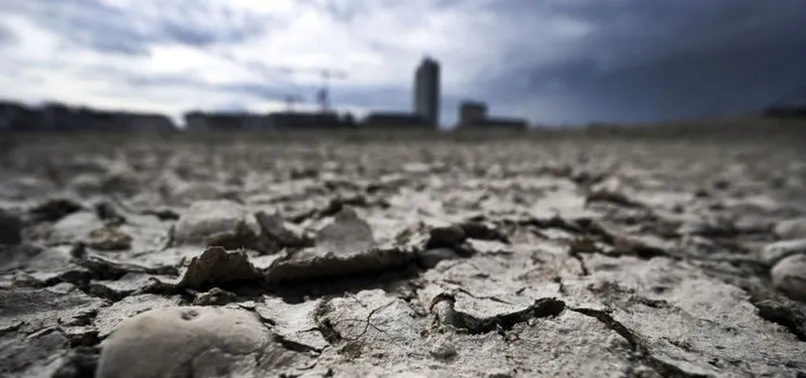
x: 40, y: 308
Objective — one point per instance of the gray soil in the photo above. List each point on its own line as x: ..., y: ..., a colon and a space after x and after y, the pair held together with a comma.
x: 317, y: 256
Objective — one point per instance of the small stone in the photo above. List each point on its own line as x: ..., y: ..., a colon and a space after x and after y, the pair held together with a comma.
x: 449, y: 236
x: 128, y: 284
x: 772, y: 253
x: 81, y: 335
x: 794, y: 228
x: 10, y: 228
x: 431, y: 257
x: 789, y: 276
x: 109, y: 239
x: 214, y: 296
x: 443, y: 349
x: 216, y: 222
x: 74, y: 227
x: 276, y: 228
x: 347, y: 234
x: 165, y: 342
x: 109, y: 213
x: 54, y: 209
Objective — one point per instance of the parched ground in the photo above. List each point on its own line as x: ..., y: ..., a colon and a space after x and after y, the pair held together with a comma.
x: 560, y: 255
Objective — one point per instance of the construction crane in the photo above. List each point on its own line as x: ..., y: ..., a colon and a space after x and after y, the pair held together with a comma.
x: 290, y: 100
x: 323, y: 94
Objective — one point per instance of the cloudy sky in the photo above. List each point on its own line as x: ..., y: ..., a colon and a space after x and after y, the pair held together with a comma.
x: 552, y: 61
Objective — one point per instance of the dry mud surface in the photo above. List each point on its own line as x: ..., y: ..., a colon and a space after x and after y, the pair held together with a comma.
x: 513, y: 257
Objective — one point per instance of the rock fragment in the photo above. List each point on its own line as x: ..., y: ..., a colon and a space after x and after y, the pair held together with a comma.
x: 109, y: 213
x: 214, y: 267
x: 169, y: 342
x: 109, y: 239
x: 332, y: 265
x: 217, y: 222
x: 774, y: 252
x: 74, y: 227
x: 443, y: 348
x: 54, y: 209
x: 793, y: 228
x: 346, y: 234
x: 127, y: 284
x: 214, y: 297
x: 285, y: 234
x: 10, y: 228
x: 429, y: 258
x: 789, y: 276
x: 294, y: 323
x: 447, y: 237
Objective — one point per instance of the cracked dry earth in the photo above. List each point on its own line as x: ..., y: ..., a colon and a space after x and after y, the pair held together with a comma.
x: 514, y: 257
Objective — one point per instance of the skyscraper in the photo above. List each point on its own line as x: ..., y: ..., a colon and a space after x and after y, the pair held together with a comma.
x: 426, y: 90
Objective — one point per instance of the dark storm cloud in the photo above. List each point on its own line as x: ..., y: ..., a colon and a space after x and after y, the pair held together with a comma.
x: 657, y: 60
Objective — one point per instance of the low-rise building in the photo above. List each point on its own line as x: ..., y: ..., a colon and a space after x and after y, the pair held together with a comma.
x: 396, y: 120
x: 471, y: 112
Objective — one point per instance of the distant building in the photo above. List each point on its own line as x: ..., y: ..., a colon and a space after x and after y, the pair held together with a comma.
x: 395, y: 120
x: 150, y: 123
x: 197, y: 121
x: 471, y: 112
x: 17, y: 117
x: 307, y: 121
x: 500, y: 123
x: 473, y: 115
x: 58, y: 117
x: 426, y: 90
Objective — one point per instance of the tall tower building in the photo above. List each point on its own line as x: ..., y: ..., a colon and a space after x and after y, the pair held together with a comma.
x: 426, y: 90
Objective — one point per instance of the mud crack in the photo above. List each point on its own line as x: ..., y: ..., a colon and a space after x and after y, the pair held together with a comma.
x: 638, y: 345
x: 443, y: 307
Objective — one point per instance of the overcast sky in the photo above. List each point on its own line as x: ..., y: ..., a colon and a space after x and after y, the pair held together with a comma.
x: 552, y: 61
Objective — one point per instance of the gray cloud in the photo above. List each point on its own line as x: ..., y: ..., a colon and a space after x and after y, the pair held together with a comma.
x: 106, y: 28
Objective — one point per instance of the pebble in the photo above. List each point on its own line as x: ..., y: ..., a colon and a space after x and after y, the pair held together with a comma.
x: 431, y: 257
x: 443, y: 349
x: 794, y: 228
x: 109, y: 239
x: 204, y: 219
x: 774, y: 252
x: 347, y: 234
x: 449, y: 236
x: 789, y: 276
x: 166, y: 342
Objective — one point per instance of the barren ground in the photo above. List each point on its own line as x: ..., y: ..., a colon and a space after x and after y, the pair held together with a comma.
x: 315, y: 256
